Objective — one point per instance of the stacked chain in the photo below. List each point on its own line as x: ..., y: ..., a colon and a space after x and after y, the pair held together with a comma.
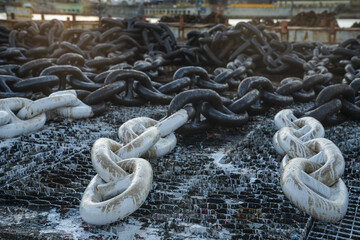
x: 122, y: 62
x: 32, y: 115
x: 123, y: 179
x: 312, y: 168
x: 352, y: 69
x: 336, y: 103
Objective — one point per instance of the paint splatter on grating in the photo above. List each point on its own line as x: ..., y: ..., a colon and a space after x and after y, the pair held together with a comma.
x: 347, y: 138
x: 222, y: 184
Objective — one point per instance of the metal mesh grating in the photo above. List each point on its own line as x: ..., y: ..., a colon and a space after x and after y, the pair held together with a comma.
x: 222, y: 184
x: 347, y: 138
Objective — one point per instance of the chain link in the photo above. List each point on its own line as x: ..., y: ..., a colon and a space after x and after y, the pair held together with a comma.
x: 312, y: 168
x: 123, y: 179
x: 31, y: 115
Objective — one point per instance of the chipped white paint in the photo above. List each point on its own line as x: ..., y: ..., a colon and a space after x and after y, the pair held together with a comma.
x: 95, y: 208
x: 4, y: 117
x: 77, y: 110
x: 123, y: 180
x: 310, y: 195
x: 15, y: 126
x: 312, y: 168
x: 46, y: 104
x: 304, y: 129
x: 32, y: 115
x: 136, y: 127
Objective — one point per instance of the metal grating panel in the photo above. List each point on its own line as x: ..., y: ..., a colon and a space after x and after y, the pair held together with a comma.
x: 222, y: 184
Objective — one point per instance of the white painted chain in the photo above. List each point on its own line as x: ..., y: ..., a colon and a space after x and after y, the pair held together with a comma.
x: 32, y: 115
x: 123, y: 179
x: 312, y: 168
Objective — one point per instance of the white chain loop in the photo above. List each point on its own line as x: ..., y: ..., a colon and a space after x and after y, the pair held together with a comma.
x: 123, y: 180
x: 312, y: 167
x: 305, y: 128
x: 32, y: 115
x: 13, y: 126
x: 76, y: 110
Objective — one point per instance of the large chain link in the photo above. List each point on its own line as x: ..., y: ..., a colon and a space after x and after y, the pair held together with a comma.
x: 312, y: 168
x: 123, y: 179
x: 31, y: 115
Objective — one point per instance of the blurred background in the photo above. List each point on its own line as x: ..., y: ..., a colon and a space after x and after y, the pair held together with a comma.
x: 347, y: 12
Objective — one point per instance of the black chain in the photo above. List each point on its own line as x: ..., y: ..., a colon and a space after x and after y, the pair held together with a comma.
x: 122, y: 60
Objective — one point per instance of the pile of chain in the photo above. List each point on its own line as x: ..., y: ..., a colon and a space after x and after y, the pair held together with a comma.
x: 312, y: 19
x: 121, y: 62
x: 123, y: 179
x: 222, y: 44
x: 334, y: 103
x: 31, y: 115
x: 77, y: 56
x: 352, y: 69
x: 312, y: 168
x: 101, y: 65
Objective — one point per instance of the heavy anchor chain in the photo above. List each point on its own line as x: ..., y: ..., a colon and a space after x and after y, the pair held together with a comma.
x: 312, y: 167
x: 263, y: 95
x: 209, y: 108
x: 352, y: 69
x: 20, y: 116
x: 335, y: 103
x: 123, y: 179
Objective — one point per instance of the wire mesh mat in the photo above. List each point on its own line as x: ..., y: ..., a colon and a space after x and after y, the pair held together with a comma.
x: 222, y: 184
x: 348, y: 140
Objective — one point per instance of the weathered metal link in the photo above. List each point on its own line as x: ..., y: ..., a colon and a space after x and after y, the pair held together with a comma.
x: 267, y: 95
x: 334, y: 104
x: 33, y: 68
x: 77, y: 109
x: 294, y: 87
x: 305, y: 128
x: 36, y: 84
x: 31, y: 115
x: 7, y: 91
x: 71, y: 75
x: 129, y: 97
x: 13, y: 126
x: 312, y: 167
x: 206, y: 103
x: 352, y: 69
x: 124, y: 180
x: 122, y: 197
x: 137, y: 127
x: 200, y: 78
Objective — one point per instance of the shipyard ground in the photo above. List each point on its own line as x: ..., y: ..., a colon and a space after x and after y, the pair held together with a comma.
x: 220, y: 184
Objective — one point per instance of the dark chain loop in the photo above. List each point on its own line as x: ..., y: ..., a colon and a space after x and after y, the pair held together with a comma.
x: 123, y: 60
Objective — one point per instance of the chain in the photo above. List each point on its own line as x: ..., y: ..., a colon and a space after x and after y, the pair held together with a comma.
x: 123, y: 179
x: 121, y: 62
x: 97, y: 61
x: 336, y: 103
x: 312, y: 168
x: 20, y: 115
x: 352, y: 69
